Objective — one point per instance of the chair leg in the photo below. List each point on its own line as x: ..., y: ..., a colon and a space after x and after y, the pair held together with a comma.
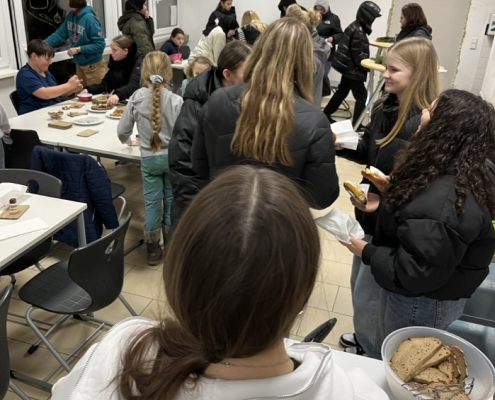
x: 53, y: 327
x: 45, y: 341
x: 127, y: 305
x: 39, y: 266
x: 18, y: 391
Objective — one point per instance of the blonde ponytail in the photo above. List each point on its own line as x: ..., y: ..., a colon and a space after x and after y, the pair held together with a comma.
x: 156, y: 73
x: 309, y: 18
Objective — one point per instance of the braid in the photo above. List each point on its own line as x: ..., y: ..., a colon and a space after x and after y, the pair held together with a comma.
x: 156, y: 117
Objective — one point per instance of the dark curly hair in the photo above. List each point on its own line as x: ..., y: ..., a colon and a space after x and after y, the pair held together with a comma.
x: 459, y: 138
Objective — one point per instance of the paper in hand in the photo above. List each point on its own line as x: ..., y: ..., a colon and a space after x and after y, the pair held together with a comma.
x: 345, y: 134
x: 341, y: 225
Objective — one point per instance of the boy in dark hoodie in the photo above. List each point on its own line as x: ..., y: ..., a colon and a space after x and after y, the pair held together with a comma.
x: 282, y: 6
x: 329, y: 29
x: 353, y: 48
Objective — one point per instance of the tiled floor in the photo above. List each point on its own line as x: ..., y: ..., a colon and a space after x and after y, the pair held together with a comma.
x: 142, y: 287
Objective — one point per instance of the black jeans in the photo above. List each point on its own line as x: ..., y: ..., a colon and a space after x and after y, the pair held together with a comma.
x: 345, y: 86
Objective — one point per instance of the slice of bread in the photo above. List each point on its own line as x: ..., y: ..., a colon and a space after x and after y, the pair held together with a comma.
x: 441, y: 355
x: 460, y: 396
x: 461, y: 362
x: 447, y: 367
x: 412, y: 354
x: 431, y: 375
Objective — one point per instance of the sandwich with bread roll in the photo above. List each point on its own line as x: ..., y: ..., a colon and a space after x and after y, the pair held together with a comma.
x: 374, y: 177
x: 355, y: 192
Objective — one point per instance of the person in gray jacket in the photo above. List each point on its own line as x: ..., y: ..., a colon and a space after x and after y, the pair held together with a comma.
x: 154, y: 109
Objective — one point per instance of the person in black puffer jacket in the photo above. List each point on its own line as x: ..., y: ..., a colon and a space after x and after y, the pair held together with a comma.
x: 270, y: 121
x: 284, y: 4
x: 225, y: 17
x: 124, y: 74
x: 353, y: 48
x: 434, y: 239
x: 329, y: 29
x: 185, y: 182
x: 251, y: 27
x: 413, y: 23
x: 412, y: 84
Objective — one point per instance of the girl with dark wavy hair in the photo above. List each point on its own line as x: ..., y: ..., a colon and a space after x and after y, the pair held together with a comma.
x: 434, y: 239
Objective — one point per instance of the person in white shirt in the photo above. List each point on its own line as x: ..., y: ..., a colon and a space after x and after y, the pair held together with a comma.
x: 4, y: 133
x: 240, y: 266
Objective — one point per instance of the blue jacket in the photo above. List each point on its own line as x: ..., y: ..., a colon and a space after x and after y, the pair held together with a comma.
x: 170, y: 48
x: 83, y: 30
x: 83, y: 180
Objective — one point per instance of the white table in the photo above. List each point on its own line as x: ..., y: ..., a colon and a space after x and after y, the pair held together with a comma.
x: 373, y: 368
x: 105, y: 143
x: 56, y: 213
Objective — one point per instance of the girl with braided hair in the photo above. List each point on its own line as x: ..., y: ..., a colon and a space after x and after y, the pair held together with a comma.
x: 154, y: 110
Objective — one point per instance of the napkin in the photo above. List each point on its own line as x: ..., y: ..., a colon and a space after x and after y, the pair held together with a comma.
x: 22, y: 228
x: 345, y: 134
x: 376, y: 171
x: 341, y: 225
x: 9, y: 191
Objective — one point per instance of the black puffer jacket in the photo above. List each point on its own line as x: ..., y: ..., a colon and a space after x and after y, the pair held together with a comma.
x: 249, y: 34
x: 420, y: 31
x: 354, y: 45
x: 383, y: 118
x: 286, y: 3
x: 123, y: 76
x: 185, y: 182
x: 424, y: 248
x: 329, y: 26
x: 227, y: 20
x: 311, y: 145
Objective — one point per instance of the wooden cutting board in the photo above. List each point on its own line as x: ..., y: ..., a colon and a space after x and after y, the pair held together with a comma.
x: 60, y: 124
x: 21, y: 209
x: 76, y: 113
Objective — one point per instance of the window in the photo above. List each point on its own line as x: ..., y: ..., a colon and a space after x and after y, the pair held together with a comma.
x: 7, y: 54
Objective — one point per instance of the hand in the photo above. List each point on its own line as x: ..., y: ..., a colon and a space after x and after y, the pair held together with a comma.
x: 371, y: 206
x: 73, y: 50
x: 74, y: 82
x: 145, y: 11
x: 177, y: 61
x: 113, y: 99
x: 330, y: 39
x: 356, y: 247
x: 231, y: 33
x: 339, y: 146
x: 381, y: 187
x: 84, y: 91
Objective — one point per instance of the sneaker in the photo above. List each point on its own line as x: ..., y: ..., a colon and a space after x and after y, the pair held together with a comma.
x: 348, y: 340
x: 358, y: 350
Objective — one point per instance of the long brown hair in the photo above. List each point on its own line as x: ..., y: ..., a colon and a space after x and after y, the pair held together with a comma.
x: 424, y: 87
x: 280, y: 66
x: 156, y: 63
x: 458, y: 139
x: 232, y: 56
x: 414, y: 15
x: 241, y: 265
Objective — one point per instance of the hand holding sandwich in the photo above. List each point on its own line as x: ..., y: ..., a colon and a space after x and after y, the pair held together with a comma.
x: 356, y: 247
x: 371, y: 205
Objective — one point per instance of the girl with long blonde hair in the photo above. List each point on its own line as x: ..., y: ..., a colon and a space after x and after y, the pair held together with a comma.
x: 276, y: 124
x: 154, y: 110
x: 412, y: 84
x: 251, y: 27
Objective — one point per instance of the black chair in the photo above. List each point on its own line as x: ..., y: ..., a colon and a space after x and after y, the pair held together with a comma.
x: 186, y: 52
x: 15, y: 100
x: 90, y: 280
x: 44, y: 185
x: 5, y: 381
x: 319, y: 334
x: 18, y: 152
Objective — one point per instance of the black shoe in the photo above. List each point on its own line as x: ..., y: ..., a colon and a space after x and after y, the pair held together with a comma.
x: 349, y: 340
x: 358, y: 350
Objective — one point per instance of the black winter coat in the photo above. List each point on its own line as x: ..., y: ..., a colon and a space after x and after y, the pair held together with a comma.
x: 330, y: 27
x: 227, y: 20
x: 249, y: 34
x: 311, y: 145
x: 122, y: 76
x: 354, y: 45
x: 287, y: 3
x: 424, y: 248
x: 420, y: 31
x: 185, y: 182
x: 383, y: 117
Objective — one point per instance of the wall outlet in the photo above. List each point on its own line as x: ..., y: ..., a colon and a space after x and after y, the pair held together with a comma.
x: 474, y: 43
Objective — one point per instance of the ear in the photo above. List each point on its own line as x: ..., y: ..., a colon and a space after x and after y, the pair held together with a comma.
x: 227, y: 74
x: 126, y: 51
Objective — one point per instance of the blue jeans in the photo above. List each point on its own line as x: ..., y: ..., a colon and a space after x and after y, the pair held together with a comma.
x: 157, y: 191
x: 328, y: 67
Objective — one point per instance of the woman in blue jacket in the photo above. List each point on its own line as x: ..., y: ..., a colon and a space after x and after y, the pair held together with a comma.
x: 87, y: 41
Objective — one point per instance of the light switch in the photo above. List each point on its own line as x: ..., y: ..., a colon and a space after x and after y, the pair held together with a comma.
x: 474, y: 43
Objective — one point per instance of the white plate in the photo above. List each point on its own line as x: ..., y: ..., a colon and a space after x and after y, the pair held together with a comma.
x: 109, y: 114
x: 87, y: 120
x: 99, y: 111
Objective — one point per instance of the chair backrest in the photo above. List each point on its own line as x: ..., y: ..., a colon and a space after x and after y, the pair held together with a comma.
x: 14, y: 98
x: 99, y: 267
x: 18, y: 153
x: 46, y: 184
x: 4, y: 350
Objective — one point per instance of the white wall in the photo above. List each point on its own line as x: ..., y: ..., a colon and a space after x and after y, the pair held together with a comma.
x: 488, y: 87
x: 475, y: 27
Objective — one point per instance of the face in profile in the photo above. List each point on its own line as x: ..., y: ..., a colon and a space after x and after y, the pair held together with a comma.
x: 178, y: 39
x: 320, y: 9
x: 118, y: 53
x: 397, y: 75
x: 403, y: 21
x: 227, y: 5
x: 42, y: 63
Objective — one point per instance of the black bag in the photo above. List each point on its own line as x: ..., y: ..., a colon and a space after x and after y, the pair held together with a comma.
x: 327, y: 87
